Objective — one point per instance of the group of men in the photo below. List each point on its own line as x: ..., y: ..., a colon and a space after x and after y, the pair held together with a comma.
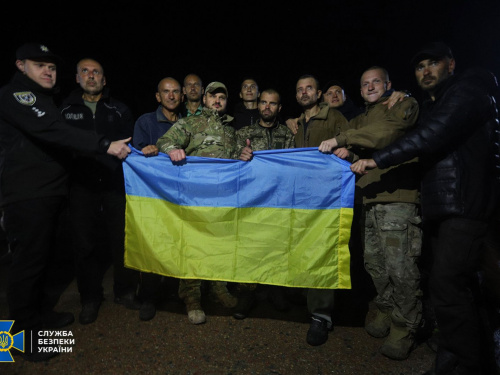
x: 423, y: 171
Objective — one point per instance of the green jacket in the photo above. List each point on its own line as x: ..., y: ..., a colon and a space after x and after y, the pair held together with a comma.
x: 207, y: 135
x: 276, y: 137
x: 373, y: 130
x: 328, y: 123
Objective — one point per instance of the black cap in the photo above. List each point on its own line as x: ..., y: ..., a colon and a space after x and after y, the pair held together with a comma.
x: 36, y: 51
x: 432, y: 50
x: 333, y: 83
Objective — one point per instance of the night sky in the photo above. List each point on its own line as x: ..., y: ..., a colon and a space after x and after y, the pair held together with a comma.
x: 139, y: 43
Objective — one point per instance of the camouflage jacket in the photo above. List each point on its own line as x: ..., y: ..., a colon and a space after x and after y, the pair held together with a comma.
x: 276, y: 137
x: 205, y: 135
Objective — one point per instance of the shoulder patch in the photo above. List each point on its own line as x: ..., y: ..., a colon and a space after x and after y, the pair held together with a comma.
x: 25, y: 97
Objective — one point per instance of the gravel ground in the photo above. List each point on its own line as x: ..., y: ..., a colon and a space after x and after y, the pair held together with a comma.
x: 267, y: 342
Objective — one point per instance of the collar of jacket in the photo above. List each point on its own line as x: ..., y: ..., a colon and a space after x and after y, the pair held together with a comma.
x: 276, y: 123
x: 321, y: 115
x: 225, y: 118
x: 441, y: 89
x: 76, y: 95
x: 160, y: 116
x: 32, y: 85
x: 383, y: 98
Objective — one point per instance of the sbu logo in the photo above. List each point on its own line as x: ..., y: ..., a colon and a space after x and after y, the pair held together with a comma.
x: 7, y: 341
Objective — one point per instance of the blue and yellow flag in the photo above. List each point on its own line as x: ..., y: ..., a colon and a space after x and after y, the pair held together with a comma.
x: 283, y: 218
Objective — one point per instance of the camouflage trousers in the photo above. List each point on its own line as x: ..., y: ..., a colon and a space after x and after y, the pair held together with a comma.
x: 190, y: 291
x: 392, y: 247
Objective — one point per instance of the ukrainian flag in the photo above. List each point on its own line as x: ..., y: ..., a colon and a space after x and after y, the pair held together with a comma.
x: 283, y: 218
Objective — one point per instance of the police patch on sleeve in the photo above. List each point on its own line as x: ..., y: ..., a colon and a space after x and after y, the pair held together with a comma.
x: 25, y: 97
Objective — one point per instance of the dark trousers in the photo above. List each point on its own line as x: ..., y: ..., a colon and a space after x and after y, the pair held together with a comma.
x: 149, y: 290
x: 457, y: 244
x: 35, y: 273
x: 98, y: 223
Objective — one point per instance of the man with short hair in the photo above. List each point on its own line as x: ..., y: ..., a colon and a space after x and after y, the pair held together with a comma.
x: 266, y: 133
x: 148, y: 129
x: 193, y: 91
x: 335, y: 96
x: 210, y: 135
x: 246, y: 112
x: 317, y: 123
x: 390, y: 213
x: 97, y: 194
x: 457, y: 143
x: 36, y: 144
x: 151, y: 126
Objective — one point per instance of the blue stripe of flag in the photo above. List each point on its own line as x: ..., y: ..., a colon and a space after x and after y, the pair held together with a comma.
x: 301, y: 178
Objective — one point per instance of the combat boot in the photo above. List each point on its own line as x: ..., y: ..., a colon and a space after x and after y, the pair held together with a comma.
x: 380, y: 326
x: 220, y: 294
x: 400, y: 343
x: 196, y: 315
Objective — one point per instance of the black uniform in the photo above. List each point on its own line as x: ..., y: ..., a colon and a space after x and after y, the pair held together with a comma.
x: 35, y: 146
x: 97, y: 199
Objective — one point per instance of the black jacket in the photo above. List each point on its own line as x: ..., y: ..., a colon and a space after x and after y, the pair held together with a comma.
x: 243, y: 116
x: 112, y: 119
x: 457, y: 142
x: 349, y: 109
x: 36, y: 143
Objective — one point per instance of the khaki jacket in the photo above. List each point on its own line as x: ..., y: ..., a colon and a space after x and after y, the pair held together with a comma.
x: 377, y: 128
x: 327, y: 124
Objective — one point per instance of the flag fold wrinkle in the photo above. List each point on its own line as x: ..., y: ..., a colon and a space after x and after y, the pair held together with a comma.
x: 283, y: 218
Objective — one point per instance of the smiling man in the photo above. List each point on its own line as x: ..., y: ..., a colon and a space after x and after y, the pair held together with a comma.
x: 390, y: 213
x: 457, y: 143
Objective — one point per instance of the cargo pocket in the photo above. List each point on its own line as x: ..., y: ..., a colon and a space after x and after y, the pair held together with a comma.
x: 415, y: 236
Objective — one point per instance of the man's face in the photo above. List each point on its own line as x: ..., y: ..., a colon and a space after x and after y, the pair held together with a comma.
x: 269, y: 107
x: 307, y: 92
x: 249, y: 91
x: 216, y: 100
x: 334, y: 96
x: 192, y: 88
x: 42, y: 72
x: 373, y: 85
x: 90, y: 76
x: 169, y: 94
x: 431, y: 72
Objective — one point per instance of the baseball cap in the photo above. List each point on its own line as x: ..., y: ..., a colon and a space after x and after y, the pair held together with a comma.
x: 212, y: 86
x: 432, y: 50
x: 36, y: 51
x: 333, y: 83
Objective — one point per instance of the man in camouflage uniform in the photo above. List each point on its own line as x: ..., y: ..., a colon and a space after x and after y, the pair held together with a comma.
x: 392, y: 234
x: 209, y: 135
x: 265, y: 134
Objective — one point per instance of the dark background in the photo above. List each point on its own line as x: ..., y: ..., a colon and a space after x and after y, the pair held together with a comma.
x: 139, y: 43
